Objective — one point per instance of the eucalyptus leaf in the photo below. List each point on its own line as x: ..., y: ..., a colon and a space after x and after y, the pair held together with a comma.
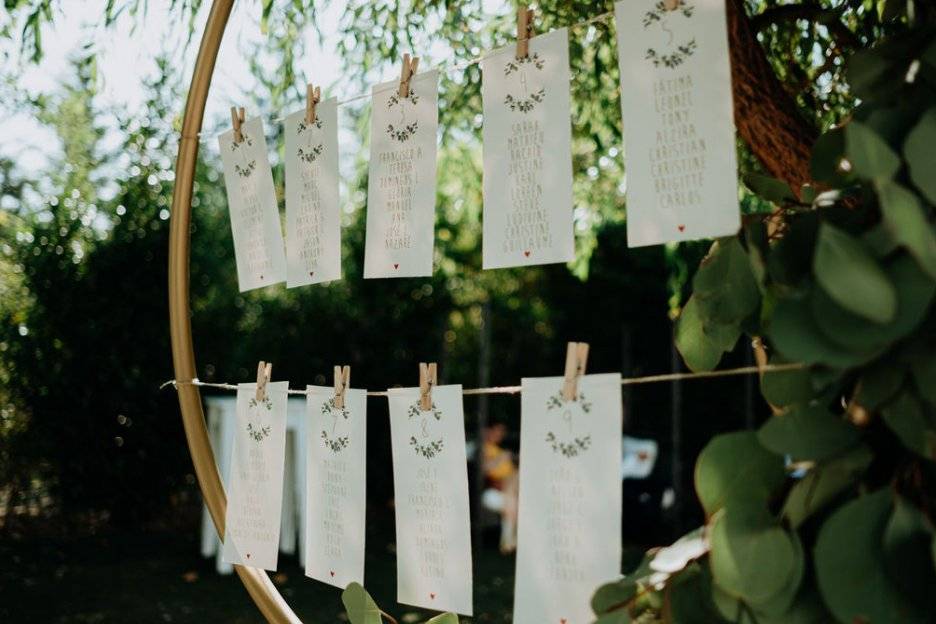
x: 920, y: 152
x: 752, y: 557
x: 866, y: 70
x: 852, y: 277
x: 906, y: 555
x: 827, y: 154
x: 796, y: 335
x: 915, y: 292
x: 702, y: 344
x: 824, y: 483
x: 849, y: 563
x: 724, y: 286
x: 445, y: 618
x: 808, y: 433
x: 359, y: 605
x: 907, y: 222
x: 735, y: 467
x: 790, y: 259
x: 906, y: 417
x: 878, y: 384
x: 613, y: 596
x: 869, y: 154
x: 781, y: 603
x: 771, y: 189
x: 689, y: 598
x: 786, y: 387
x: 924, y: 374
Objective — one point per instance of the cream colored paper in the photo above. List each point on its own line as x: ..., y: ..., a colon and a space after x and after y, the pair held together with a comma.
x: 255, y: 487
x: 402, y: 179
x: 313, y: 212
x: 569, y: 525
x: 679, y: 137
x: 336, y: 482
x: 528, y: 155
x: 430, y: 479
x: 255, y: 221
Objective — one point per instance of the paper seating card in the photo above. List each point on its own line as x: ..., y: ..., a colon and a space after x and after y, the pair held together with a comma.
x: 401, y: 181
x: 313, y: 214
x: 430, y: 478
x: 678, y: 130
x: 335, y: 482
x: 255, y: 222
x: 569, y: 524
x: 528, y: 155
x: 255, y: 485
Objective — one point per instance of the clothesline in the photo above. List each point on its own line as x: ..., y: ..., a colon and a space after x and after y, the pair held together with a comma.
x: 626, y: 381
x: 446, y: 68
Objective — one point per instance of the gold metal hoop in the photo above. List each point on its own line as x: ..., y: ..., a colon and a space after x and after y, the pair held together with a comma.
x: 258, y: 584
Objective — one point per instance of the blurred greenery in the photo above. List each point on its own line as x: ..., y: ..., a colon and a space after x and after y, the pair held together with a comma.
x: 86, y: 439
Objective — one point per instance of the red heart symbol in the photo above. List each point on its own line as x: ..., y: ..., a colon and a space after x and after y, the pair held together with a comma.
x: 332, y: 572
x: 681, y: 228
x: 396, y: 266
x: 311, y: 273
x: 248, y: 555
x: 562, y: 621
x: 432, y: 596
x: 527, y: 253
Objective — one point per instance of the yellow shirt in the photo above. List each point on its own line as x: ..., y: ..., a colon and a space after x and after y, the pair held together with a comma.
x: 498, y: 464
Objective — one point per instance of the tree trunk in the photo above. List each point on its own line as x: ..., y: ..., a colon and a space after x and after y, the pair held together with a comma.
x: 766, y: 116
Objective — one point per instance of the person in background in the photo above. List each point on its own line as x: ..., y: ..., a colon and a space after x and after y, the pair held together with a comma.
x: 501, y: 484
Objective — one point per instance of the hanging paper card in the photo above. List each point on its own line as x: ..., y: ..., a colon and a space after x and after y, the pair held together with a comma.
x: 335, y: 481
x: 401, y: 181
x: 430, y: 478
x: 678, y: 131
x: 569, y: 525
x: 313, y: 224
x: 255, y: 222
x: 255, y: 485
x: 528, y: 155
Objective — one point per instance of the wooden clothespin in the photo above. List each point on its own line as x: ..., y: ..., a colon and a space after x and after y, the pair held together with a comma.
x: 524, y: 30
x: 237, y: 118
x: 313, y: 97
x: 264, y: 372
x: 671, y: 5
x: 428, y: 377
x: 576, y: 359
x: 409, y: 70
x: 342, y: 381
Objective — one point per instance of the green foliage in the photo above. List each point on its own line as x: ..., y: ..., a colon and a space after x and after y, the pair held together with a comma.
x: 825, y: 514
x: 362, y: 609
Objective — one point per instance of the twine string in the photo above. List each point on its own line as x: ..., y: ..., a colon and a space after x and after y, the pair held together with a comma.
x: 625, y: 381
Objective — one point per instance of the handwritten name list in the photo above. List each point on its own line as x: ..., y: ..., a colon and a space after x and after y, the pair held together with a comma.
x: 677, y: 108
x: 255, y: 485
x: 313, y: 212
x: 255, y: 223
x: 336, y: 482
x: 569, y: 530
x: 527, y: 155
x: 431, y: 483
x: 402, y: 179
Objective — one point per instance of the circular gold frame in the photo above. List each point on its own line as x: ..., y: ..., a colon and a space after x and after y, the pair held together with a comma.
x: 258, y: 584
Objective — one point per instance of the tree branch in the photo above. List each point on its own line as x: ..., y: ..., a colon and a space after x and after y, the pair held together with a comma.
x: 766, y: 116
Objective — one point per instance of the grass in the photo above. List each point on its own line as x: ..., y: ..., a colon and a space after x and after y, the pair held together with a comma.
x: 143, y: 578
x: 160, y: 577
